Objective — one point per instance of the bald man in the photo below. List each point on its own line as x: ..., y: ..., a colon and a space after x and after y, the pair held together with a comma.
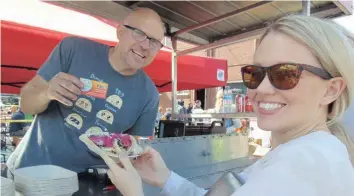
x: 85, y: 85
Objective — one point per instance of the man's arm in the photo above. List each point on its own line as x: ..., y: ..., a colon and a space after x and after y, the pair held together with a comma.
x: 51, y: 83
x: 62, y: 87
x: 34, y: 90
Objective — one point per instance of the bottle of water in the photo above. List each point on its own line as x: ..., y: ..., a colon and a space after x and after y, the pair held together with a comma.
x: 224, y: 102
x: 230, y: 101
x: 227, y: 102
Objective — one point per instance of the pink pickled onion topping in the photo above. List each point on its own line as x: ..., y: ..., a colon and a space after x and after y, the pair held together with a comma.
x: 105, y: 140
x: 108, y: 140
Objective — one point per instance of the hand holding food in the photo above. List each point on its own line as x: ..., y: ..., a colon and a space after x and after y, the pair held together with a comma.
x: 152, y: 168
x: 125, y: 177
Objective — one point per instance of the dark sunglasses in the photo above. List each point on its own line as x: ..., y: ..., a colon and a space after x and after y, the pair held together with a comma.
x: 140, y: 36
x: 283, y: 76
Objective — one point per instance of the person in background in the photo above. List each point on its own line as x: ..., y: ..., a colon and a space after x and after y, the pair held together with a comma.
x: 300, y: 83
x: 160, y: 111
x: 180, y: 107
x: 181, y: 110
x: 14, y: 108
x: 190, y: 108
x: 168, y: 114
x: 190, y: 111
x: 197, y: 104
x: 158, y: 117
x: 197, y: 109
x: 18, y: 129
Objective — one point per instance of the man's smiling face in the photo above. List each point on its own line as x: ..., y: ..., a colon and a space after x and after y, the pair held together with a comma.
x: 138, y: 25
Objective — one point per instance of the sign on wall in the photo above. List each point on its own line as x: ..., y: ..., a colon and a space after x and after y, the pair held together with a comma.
x: 183, y: 93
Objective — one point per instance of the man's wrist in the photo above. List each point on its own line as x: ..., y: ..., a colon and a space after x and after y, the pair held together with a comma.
x: 45, y: 95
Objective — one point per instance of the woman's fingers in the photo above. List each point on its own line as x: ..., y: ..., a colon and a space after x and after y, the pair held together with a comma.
x: 147, y: 150
x: 110, y: 162
x: 126, y: 162
x: 147, y: 153
x: 111, y: 176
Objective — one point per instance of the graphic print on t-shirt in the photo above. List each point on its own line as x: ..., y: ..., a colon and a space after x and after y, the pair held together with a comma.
x: 94, y: 88
x: 115, y: 100
x: 95, y: 109
x: 84, y: 104
x: 74, y: 120
x: 106, y: 116
x: 93, y: 130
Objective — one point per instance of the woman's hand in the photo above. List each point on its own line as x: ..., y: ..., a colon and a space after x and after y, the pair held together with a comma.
x: 126, y: 178
x: 152, y: 168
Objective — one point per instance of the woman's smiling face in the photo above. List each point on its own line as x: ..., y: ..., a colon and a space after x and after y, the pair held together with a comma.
x: 281, y: 110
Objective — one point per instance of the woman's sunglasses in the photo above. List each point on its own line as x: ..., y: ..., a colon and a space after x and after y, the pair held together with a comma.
x: 283, y: 76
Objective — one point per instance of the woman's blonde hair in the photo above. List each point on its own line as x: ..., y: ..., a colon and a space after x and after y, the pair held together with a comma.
x: 334, y: 48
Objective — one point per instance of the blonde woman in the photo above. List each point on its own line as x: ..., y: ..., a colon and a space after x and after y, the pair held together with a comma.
x: 300, y: 83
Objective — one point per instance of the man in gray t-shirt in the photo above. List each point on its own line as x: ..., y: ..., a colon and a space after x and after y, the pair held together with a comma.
x: 85, y: 85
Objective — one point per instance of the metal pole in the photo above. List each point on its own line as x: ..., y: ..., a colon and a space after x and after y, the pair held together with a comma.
x: 207, y: 101
x: 306, y: 7
x: 174, y: 74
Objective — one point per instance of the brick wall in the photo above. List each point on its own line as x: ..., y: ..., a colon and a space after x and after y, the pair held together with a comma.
x: 236, y: 54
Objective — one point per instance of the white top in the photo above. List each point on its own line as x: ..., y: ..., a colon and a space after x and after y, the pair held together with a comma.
x: 313, y: 165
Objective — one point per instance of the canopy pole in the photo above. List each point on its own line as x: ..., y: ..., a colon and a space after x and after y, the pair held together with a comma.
x: 306, y: 7
x: 174, y: 74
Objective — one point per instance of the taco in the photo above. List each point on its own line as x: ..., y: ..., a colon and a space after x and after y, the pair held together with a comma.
x: 112, y: 144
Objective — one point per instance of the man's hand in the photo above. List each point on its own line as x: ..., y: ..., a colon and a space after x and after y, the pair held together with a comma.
x: 64, y: 88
